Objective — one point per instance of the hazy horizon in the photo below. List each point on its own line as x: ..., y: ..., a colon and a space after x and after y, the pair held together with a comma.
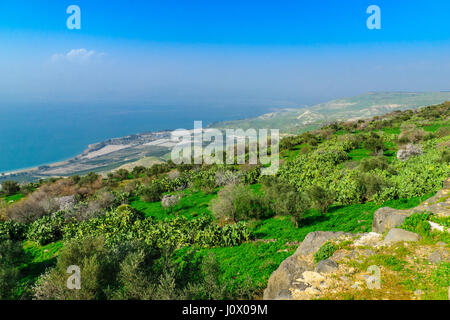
x: 217, y: 53
x: 213, y: 60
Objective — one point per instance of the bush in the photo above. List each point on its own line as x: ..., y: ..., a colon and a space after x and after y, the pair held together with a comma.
x: 138, y: 171
x: 369, y: 185
x: 285, y: 199
x: 325, y: 251
x: 224, y: 178
x: 169, y: 202
x: 122, y: 174
x: 411, y: 134
x: 152, y: 192
x: 97, y: 265
x: 47, y: 229
x: 369, y: 164
x: 90, y: 178
x: 374, y: 143
x: 10, y: 187
x: 11, y: 254
x: 321, y: 198
x: 445, y: 156
x: 443, y: 132
x: 205, y: 184
x: 12, y: 230
x: 133, y: 271
x: 238, y: 202
x: 410, y: 150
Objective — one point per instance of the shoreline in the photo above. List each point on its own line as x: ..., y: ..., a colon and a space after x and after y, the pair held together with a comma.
x: 84, y: 154
x: 88, y: 150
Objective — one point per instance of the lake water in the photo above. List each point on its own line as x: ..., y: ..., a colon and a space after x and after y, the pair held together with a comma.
x: 34, y: 136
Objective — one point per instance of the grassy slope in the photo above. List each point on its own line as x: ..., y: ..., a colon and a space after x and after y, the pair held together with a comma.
x: 276, y: 238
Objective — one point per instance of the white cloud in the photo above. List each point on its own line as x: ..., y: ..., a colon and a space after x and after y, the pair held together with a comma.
x: 80, y: 56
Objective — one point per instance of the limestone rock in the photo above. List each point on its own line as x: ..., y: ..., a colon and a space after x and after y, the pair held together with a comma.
x: 438, y: 204
x: 368, y: 239
x: 282, y: 279
x: 314, y: 240
x: 285, y: 277
x: 397, y: 235
x: 326, y: 266
x: 313, y: 278
x: 438, y: 256
x: 386, y: 218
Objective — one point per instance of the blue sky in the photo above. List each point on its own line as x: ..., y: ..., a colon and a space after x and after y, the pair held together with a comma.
x: 214, y: 52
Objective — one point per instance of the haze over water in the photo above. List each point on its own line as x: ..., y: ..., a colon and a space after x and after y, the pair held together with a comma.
x: 34, y: 137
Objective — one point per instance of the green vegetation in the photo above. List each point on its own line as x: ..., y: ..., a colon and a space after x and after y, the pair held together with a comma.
x: 325, y: 252
x: 219, y: 231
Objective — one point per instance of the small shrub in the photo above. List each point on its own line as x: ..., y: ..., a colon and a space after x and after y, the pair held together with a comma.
x: 238, y: 202
x: 374, y: 143
x: 368, y: 164
x: 206, y: 185
x: 443, y: 132
x: 169, y: 202
x: 285, y: 199
x: 411, y: 134
x: 321, y: 198
x: 11, y: 253
x: 152, y: 192
x: 445, y: 156
x: 97, y: 268
x: 90, y: 178
x: 369, y: 185
x: 10, y: 187
x: 325, y: 251
x: 12, y: 230
x: 227, y: 177
x: 47, y: 229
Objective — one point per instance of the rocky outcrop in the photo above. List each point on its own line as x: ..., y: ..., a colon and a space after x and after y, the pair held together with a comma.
x: 397, y: 235
x: 290, y: 270
x: 314, y: 240
x: 438, y: 204
x: 387, y: 218
x: 350, y: 272
x: 326, y: 266
x: 298, y: 277
x: 282, y: 279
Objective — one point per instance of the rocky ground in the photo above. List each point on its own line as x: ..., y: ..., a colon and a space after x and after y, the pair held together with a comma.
x: 388, y: 263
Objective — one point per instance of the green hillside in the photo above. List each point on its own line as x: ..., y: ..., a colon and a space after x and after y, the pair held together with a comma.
x: 219, y: 231
x: 363, y: 106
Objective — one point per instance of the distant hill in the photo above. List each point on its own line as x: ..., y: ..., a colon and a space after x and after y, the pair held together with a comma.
x: 296, y: 120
